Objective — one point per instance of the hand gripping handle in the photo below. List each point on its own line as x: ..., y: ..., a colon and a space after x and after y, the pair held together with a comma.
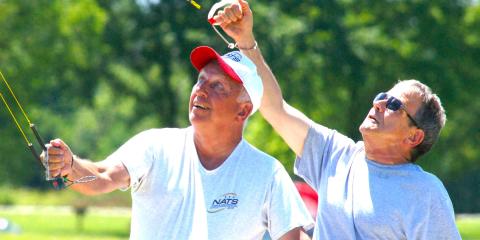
x: 217, y: 6
x: 212, y: 21
x: 57, y: 182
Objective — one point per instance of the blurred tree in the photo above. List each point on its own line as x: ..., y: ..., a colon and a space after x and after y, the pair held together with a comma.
x: 97, y: 72
x: 50, y: 54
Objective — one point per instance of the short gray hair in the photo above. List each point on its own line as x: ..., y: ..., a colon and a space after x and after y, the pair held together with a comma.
x: 430, y: 116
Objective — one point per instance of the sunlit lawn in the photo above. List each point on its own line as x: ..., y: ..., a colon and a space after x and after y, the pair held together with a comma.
x: 62, y: 223
x: 469, y: 227
x: 99, y: 223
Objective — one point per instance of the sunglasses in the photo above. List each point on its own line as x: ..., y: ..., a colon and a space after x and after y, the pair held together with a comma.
x: 394, y: 104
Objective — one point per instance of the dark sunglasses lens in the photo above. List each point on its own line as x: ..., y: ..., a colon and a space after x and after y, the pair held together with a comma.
x: 393, y: 104
x: 380, y: 96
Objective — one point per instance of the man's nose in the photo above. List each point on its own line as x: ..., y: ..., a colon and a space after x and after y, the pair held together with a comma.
x: 200, y: 89
x: 379, y: 105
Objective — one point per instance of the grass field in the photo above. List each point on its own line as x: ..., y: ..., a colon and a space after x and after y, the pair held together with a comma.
x: 469, y: 226
x: 62, y: 223
x: 51, y: 216
x: 52, y: 223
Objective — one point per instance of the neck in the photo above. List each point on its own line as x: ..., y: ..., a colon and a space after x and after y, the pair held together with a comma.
x: 215, y: 146
x: 385, y: 152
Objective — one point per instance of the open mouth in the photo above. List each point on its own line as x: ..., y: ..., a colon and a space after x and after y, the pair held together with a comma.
x: 200, y: 106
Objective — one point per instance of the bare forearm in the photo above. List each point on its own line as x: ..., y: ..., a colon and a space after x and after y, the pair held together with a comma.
x: 107, y: 176
x: 103, y: 182
x: 272, y: 100
x: 291, y: 124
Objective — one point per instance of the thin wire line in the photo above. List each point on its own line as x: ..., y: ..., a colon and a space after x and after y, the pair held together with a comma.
x: 84, y: 179
x: 15, y: 97
x: 15, y: 119
x: 229, y: 44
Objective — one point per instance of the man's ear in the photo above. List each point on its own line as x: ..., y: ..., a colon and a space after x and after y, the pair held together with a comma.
x: 416, y: 137
x: 245, y: 110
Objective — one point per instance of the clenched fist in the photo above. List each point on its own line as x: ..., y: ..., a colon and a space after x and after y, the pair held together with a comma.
x: 58, y: 160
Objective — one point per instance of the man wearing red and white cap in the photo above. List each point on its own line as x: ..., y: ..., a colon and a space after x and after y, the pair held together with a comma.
x: 204, y: 181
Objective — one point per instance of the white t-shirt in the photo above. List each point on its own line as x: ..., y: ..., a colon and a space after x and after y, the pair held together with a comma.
x: 362, y: 199
x: 175, y: 197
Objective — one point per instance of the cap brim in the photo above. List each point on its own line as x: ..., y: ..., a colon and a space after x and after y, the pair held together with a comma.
x: 201, y: 56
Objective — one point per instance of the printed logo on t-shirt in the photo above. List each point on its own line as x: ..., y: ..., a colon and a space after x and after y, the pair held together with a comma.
x: 222, y: 202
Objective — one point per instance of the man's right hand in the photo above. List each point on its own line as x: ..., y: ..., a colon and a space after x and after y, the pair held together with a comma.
x: 237, y: 21
x: 109, y: 176
x: 60, y: 158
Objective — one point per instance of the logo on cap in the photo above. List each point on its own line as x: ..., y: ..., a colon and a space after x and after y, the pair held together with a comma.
x: 235, y: 56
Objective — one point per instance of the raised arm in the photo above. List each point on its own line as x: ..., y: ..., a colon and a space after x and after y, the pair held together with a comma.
x: 109, y: 176
x: 292, y: 125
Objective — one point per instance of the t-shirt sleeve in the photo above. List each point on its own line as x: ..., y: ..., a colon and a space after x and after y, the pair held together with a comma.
x: 136, y: 156
x: 286, y: 209
x: 440, y: 220
x: 323, y: 148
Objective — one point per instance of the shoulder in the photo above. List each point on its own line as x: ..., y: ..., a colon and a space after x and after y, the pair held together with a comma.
x: 153, y: 140
x: 258, y: 159
x: 429, y: 183
x: 427, y: 178
x: 320, y: 130
x: 319, y: 135
x: 163, y: 132
x: 160, y: 134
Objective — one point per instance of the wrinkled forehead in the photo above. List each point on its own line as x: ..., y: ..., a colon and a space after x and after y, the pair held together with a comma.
x: 212, y: 65
x: 213, y: 70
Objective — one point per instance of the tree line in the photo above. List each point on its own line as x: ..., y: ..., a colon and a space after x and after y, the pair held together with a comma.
x: 95, y: 72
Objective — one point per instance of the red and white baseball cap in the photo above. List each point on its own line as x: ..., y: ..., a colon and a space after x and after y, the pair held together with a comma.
x: 237, y: 66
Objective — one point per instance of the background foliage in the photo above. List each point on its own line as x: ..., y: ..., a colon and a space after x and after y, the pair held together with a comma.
x: 95, y: 72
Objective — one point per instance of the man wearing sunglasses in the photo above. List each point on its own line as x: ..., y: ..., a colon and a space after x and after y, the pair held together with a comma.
x: 371, y: 189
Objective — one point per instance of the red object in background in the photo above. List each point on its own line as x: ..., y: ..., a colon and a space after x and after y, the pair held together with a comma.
x: 309, y: 197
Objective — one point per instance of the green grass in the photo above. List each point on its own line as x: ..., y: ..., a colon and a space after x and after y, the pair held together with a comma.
x: 53, y: 217
x: 25, y: 196
x: 62, y: 223
x: 469, y: 227
x: 51, y: 223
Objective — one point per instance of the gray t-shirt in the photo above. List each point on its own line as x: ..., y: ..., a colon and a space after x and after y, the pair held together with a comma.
x: 359, y: 198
